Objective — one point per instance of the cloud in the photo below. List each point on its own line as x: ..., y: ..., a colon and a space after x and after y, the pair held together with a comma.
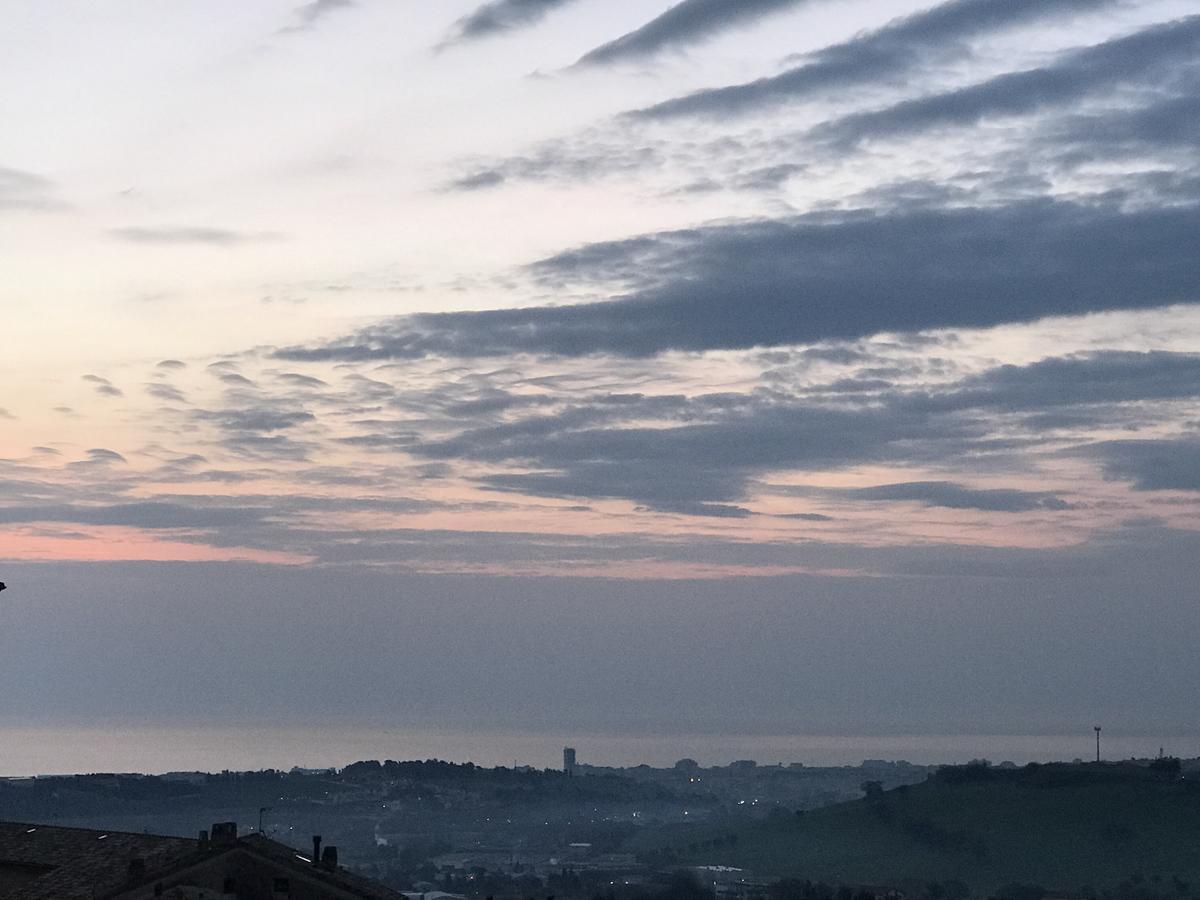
x: 819, y: 277
x: 949, y: 495
x: 183, y: 235
x: 1082, y: 87
x: 26, y: 191
x: 259, y: 419
x: 1170, y: 122
x: 172, y: 364
x: 684, y: 23
x: 475, y: 181
x: 258, y: 446
x: 689, y: 467
x: 295, y: 379
x: 154, y: 515
x: 165, y: 392
x: 501, y: 16
x: 310, y: 14
x: 270, y: 626
x: 101, y: 456
x: 885, y: 54
x: 1151, y: 465
x: 560, y: 160
x: 1154, y: 53
x: 233, y: 378
x: 103, y: 386
x: 704, y: 455
x: 1101, y: 378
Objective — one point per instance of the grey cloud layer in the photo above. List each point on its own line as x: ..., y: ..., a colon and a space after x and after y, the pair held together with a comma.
x: 187, y: 234
x: 918, y: 254
x: 682, y: 24
x: 687, y: 468
x: 26, y: 191
x: 1080, y: 195
x: 706, y: 452
x: 948, y: 495
x: 822, y: 276
x: 103, y: 386
x: 1152, y: 53
x: 898, y: 48
x: 268, y: 626
x: 1150, y: 73
x: 308, y: 15
x: 153, y: 515
x: 500, y: 16
x: 712, y: 455
x: 1152, y: 465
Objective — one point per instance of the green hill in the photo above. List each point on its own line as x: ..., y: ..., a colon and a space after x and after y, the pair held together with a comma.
x: 1060, y: 826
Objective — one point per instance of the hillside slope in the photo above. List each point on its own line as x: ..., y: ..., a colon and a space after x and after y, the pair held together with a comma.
x: 1060, y: 826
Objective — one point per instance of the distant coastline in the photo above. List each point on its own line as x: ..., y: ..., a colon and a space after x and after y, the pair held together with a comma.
x: 41, y: 750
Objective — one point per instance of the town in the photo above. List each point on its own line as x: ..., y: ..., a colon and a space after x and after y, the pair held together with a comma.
x: 437, y: 826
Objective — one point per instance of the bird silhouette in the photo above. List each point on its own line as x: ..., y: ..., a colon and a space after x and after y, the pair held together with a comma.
x: 3, y: 586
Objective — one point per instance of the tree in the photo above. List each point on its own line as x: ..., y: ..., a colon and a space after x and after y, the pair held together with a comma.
x: 1169, y: 766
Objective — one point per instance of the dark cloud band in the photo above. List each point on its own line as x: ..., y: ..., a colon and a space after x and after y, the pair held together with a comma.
x: 501, y: 16
x: 1146, y: 56
x: 684, y: 23
x: 896, y: 49
x: 819, y: 277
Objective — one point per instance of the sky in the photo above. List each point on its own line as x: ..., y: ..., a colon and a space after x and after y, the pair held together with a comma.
x: 655, y: 367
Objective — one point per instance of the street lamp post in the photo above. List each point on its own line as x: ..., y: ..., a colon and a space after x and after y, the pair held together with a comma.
x: 1097, y: 729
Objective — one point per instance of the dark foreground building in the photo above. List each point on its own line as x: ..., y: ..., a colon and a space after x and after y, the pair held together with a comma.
x: 43, y: 862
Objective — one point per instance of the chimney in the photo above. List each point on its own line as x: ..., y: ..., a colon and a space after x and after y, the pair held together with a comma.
x: 203, y: 838
x: 329, y: 858
x: 316, y: 850
x: 223, y: 834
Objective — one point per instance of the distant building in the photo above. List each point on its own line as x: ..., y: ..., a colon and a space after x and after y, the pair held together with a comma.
x: 569, y: 760
x: 728, y: 883
x: 42, y: 862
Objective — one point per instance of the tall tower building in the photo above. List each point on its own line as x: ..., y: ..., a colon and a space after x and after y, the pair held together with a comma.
x: 569, y: 760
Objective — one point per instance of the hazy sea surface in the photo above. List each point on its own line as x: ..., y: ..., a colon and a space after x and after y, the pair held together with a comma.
x: 65, y: 750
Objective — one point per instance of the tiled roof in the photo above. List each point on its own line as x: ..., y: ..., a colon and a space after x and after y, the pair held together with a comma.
x: 82, y: 863
x: 346, y: 881
x: 47, y: 862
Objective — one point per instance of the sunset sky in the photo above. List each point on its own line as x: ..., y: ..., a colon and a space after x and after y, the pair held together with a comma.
x: 659, y: 365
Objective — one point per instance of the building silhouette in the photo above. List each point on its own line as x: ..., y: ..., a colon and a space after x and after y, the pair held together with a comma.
x: 569, y: 760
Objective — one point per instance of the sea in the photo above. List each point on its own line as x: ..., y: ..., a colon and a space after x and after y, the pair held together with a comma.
x: 158, y: 749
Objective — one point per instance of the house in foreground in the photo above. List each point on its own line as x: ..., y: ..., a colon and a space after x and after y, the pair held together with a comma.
x: 44, y: 862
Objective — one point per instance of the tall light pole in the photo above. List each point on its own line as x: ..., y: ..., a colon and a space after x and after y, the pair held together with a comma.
x: 1097, y: 728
